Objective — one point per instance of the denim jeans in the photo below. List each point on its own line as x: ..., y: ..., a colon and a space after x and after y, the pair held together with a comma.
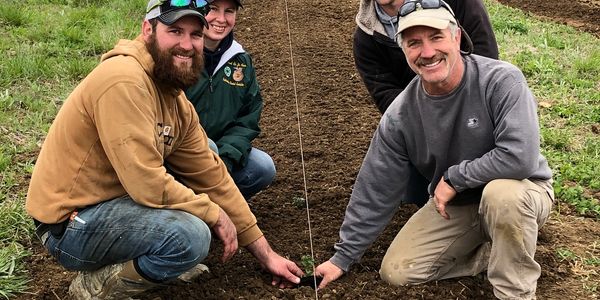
x: 165, y: 242
x: 258, y: 173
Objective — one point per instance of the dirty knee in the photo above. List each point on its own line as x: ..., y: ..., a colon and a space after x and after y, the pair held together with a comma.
x: 396, y: 273
x: 503, y: 195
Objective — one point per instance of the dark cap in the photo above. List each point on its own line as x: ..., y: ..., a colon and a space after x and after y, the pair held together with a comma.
x: 166, y: 13
x: 238, y: 3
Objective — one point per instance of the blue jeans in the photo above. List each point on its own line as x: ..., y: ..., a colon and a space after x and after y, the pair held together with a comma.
x: 165, y: 243
x: 258, y: 173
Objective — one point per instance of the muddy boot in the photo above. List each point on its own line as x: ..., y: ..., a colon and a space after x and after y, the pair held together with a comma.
x: 119, y: 281
x: 193, y: 273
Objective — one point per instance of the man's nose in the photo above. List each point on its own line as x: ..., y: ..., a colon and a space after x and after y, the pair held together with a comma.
x: 427, y: 50
x: 186, y: 42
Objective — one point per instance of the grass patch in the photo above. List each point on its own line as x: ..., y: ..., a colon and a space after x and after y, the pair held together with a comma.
x: 583, y: 264
x: 12, y: 281
x: 14, y: 227
x: 44, y: 55
x: 562, y: 67
x: 13, y: 16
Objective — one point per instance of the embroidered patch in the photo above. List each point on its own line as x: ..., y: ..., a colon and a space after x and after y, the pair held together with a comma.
x: 167, y: 133
x: 166, y: 130
x: 238, y: 74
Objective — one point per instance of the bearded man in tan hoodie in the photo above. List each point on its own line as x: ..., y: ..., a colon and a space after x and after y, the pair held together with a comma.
x: 125, y: 189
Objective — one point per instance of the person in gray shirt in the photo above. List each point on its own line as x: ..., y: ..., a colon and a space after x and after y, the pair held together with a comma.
x: 469, y: 125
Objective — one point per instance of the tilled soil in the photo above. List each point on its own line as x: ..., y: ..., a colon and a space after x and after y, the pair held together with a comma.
x: 581, y: 14
x: 317, y: 124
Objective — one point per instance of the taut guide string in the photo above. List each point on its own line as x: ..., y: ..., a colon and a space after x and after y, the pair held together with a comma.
x: 312, y: 255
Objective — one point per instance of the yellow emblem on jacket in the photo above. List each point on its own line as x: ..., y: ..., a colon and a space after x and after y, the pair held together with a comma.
x: 238, y: 74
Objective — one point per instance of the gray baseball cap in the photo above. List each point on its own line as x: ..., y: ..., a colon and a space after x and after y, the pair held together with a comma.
x: 168, y: 11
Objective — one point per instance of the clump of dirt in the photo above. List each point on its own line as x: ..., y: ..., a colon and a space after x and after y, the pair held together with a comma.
x: 336, y: 121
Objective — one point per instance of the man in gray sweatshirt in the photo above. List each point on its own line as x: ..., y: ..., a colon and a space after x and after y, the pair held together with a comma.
x: 383, y: 68
x: 469, y: 125
x: 379, y: 59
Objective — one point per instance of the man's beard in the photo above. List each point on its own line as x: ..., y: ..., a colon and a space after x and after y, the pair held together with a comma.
x: 165, y: 71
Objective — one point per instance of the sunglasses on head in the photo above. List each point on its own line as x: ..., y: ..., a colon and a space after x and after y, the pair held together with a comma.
x: 412, y: 5
x: 168, y: 5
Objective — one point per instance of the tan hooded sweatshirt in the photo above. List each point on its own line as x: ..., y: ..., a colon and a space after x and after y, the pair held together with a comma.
x: 116, y: 134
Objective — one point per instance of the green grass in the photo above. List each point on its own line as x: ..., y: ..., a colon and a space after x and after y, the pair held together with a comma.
x: 14, y: 228
x: 583, y: 265
x: 46, y: 51
x: 11, y: 280
x: 562, y: 67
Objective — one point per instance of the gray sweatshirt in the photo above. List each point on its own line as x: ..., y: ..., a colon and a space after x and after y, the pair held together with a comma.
x: 390, y: 23
x: 486, y: 129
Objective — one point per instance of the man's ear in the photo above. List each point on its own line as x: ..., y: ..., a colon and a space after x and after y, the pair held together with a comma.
x: 458, y: 34
x: 146, y: 30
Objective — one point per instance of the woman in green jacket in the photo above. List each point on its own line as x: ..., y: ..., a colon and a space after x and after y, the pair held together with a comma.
x: 228, y: 101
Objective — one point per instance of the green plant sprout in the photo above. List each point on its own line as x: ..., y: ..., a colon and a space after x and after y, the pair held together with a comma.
x: 298, y: 202
x: 308, y: 264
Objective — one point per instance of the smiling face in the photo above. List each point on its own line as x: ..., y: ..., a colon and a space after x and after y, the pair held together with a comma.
x: 390, y: 7
x: 176, y: 50
x: 221, y: 20
x: 434, y: 54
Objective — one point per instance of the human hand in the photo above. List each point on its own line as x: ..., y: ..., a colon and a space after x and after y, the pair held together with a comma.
x: 286, y: 273
x: 226, y: 232
x: 329, y: 272
x: 441, y: 196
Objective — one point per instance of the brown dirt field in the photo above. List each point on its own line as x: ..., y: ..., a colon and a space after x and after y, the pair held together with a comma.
x: 581, y: 14
x: 336, y: 122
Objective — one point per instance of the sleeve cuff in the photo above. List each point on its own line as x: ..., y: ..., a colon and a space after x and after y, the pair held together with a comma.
x: 250, y: 235
x: 341, y: 261
x: 212, y: 215
x: 453, y: 173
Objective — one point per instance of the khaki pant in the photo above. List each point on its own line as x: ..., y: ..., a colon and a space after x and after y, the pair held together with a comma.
x: 499, y: 234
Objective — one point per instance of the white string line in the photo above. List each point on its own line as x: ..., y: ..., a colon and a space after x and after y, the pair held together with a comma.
x: 287, y: 16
